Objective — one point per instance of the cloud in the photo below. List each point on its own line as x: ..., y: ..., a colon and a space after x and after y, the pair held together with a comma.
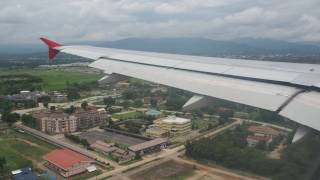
x: 82, y: 20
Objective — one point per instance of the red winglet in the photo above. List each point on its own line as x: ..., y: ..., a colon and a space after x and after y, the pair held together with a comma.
x: 51, y: 45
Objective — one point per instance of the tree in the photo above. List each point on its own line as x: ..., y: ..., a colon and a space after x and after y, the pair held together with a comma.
x: 3, y: 162
x: 70, y: 110
x: 52, y: 108
x: 226, y: 114
x: 73, y: 93
x: 10, y: 118
x: 137, y: 103
x: 28, y: 120
x: 153, y: 102
x: 109, y: 101
x: 84, y: 105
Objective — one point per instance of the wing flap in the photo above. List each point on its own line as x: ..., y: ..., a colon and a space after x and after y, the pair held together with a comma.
x: 305, y: 109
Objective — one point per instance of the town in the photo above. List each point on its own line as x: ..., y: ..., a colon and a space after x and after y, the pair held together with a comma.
x: 131, y: 129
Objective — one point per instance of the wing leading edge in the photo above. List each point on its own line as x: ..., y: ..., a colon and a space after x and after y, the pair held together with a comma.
x: 290, y: 89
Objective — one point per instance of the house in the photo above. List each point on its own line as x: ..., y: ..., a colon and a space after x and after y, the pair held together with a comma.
x: 261, y: 133
x: 67, y: 162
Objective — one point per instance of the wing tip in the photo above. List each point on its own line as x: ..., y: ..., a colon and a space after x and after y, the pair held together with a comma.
x: 51, y: 46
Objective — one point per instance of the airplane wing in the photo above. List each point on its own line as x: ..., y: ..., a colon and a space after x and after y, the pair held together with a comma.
x: 290, y: 89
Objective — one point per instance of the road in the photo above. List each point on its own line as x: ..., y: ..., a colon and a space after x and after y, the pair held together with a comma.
x: 166, y: 153
x: 60, y: 143
x: 60, y: 105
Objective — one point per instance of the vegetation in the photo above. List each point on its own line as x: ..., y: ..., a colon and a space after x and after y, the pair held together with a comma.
x: 176, y: 98
x: 10, y: 118
x: 77, y: 140
x: 21, y: 150
x: 230, y: 150
x: 14, y: 83
x: 28, y: 120
x: 127, y: 115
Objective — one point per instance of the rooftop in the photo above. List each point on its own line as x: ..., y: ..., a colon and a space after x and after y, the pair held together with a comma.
x: 65, y: 158
x: 24, y: 174
x: 176, y: 120
x: 148, y: 144
x: 264, y: 130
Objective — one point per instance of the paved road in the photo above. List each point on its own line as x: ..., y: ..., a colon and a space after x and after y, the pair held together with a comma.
x: 166, y: 153
x: 66, y: 145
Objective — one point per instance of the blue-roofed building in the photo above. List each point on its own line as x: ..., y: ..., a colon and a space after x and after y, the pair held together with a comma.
x: 153, y: 113
x: 24, y: 174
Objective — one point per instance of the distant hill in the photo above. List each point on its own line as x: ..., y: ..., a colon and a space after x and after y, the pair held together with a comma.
x: 208, y: 47
x: 247, y: 48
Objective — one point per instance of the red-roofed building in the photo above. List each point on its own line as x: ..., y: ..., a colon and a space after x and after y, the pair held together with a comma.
x: 261, y: 133
x: 66, y: 162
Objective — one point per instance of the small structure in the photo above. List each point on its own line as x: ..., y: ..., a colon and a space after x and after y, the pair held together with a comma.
x: 176, y: 126
x: 122, y: 156
x: 150, y: 146
x: 153, y: 113
x: 58, y: 97
x: 24, y: 174
x: 66, y: 162
x: 261, y: 133
x: 103, y: 147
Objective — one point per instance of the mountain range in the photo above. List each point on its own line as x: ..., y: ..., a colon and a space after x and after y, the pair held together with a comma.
x: 194, y: 46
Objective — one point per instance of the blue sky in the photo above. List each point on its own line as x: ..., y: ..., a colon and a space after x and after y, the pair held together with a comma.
x: 23, y: 21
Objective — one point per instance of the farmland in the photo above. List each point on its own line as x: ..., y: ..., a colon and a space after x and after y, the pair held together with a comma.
x: 54, y: 79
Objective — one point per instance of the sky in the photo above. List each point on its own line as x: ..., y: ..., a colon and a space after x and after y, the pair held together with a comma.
x: 24, y: 21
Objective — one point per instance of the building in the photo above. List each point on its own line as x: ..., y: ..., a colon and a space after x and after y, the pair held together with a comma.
x: 153, y: 113
x: 158, y: 99
x: 261, y: 133
x: 25, y: 99
x: 102, y: 147
x: 156, y: 132
x: 24, y: 174
x: 55, y: 122
x: 118, y: 154
x: 90, y: 117
x: 122, y: 156
x: 66, y: 162
x: 176, y: 126
x: 58, y: 97
x: 149, y: 146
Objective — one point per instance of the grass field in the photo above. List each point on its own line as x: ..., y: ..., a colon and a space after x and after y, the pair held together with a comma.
x: 169, y: 170
x: 127, y: 115
x: 21, y: 150
x: 56, y: 79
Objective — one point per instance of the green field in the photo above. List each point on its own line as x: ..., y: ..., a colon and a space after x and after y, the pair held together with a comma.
x: 21, y: 150
x: 127, y: 115
x: 55, y: 79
